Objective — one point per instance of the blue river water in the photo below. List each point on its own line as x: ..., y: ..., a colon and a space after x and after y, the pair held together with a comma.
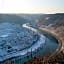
x: 20, y: 44
x: 47, y: 49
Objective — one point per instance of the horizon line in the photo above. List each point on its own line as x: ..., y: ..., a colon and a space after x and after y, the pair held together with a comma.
x: 32, y: 13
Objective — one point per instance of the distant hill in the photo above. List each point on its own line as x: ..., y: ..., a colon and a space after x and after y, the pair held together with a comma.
x: 12, y: 18
x: 16, y: 18
x: 53, y: 19
x: 30, y: 16
x: 60, y: 21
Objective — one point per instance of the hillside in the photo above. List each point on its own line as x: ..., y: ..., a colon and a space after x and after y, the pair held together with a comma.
x: 17, y: 18
x: 52, y: 19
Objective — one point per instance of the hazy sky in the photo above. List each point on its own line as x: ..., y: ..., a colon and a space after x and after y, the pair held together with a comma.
x: 31, y: 6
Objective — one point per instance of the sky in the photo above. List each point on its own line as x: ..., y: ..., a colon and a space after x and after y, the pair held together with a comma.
x: 32, y: 6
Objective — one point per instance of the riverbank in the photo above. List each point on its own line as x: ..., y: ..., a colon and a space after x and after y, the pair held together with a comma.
x: 59, y: 35
x: 57, y: 57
